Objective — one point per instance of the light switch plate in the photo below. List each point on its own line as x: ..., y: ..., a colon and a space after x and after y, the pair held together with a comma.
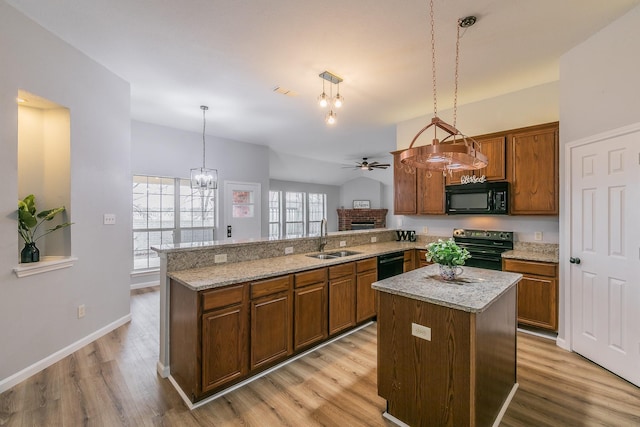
x: 109, y: 219
x: 220, y: 258
x: 537, y: 235
x: 343, y: 243
x: 421, y: 331
x: 288, y: 250
x: 374, y: 239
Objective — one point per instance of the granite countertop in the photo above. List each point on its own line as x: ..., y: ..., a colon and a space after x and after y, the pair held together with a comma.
x: 229, y: 273
x: 473, y: 291
x: 526, y: 255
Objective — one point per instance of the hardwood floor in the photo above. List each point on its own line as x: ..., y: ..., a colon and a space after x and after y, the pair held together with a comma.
x: 113, y: 382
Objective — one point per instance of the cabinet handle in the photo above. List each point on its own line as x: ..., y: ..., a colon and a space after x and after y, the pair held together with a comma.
x: 573, y: 260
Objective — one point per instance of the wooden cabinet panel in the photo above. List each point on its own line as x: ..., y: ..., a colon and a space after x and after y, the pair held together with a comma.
x: 404, y: 186
x: 271, y: 329
x: 421, y: 258
x: 409, y: 261
x: 342, y: 270
x: 270, y: 286
x: 310, y: 277
x: 310, y: 313
x: 494, y: 148
x: 224, y: 346
x: 430, y: 192
x: 367, y: 265
x: 537, y: 292
x: 342, y: 304
x: 217, y: 298
x: 365, y: 296
x: 533, y: 171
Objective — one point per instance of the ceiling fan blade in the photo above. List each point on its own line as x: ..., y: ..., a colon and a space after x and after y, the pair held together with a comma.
x: 381, y: 165
x: 373, y: 163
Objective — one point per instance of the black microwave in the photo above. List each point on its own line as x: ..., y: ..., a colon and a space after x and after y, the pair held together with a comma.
x: 489, y: 198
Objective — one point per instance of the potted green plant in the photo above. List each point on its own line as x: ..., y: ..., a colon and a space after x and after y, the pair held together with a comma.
x: 29, y: 221
x: 449, y: 256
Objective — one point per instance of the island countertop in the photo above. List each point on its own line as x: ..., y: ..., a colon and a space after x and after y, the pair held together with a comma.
x: 473, y: 291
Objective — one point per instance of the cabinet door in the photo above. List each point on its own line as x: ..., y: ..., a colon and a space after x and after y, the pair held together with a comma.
x: 342, y: 304
x: 537, y: 296
x: 494, y: 149
x: 310, y: 315
x: 271, y: 329
x: 365, y: 295
x: 533, y: 157
x: 430, y: 192
x: 224, y: 346
x: 404, y: 188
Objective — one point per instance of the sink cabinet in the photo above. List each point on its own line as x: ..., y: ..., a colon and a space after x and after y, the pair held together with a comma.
x: 342, y: 297
x: 366, y: 274
x: 310, y: 308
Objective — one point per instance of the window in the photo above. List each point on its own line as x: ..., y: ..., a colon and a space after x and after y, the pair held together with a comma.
x: 166, y: 210
x: 302, y: 213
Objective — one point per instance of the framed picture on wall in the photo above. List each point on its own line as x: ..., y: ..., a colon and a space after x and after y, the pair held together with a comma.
x: 361, y: 204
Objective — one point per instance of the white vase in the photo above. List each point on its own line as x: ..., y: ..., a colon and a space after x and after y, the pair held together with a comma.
x: 450, y: 272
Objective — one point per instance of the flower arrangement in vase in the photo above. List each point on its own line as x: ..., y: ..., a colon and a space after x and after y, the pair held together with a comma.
x: 449, y: 256
x: 28, y: 224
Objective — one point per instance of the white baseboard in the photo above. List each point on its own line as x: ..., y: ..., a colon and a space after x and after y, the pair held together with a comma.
x: 562, y: 343
x: 163, y: 371
x: 144, y: 285
x: 18, y: 377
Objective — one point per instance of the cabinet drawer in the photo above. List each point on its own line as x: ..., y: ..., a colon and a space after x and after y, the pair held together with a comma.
x: 366, y: 265
x: 530, y: 267
x: 270, y: 286
x: 309, y: 277
x: 408, y: 255
x: 342, y: 270
x: 217, y: 298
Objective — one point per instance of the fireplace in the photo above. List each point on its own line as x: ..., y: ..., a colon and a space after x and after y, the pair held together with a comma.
x: 361, y: 219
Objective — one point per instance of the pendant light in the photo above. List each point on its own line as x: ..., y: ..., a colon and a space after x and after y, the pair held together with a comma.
x: 454, y: 151
x: 330, y: 101
x: 202, y: 178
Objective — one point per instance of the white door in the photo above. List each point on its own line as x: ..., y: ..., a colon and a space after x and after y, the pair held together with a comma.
x: 242, y: 211
x: 604, y: 267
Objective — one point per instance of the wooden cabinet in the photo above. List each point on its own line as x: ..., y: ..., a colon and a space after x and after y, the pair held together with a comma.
x: 409, y: 260
x: 494, y: 148
x: 366, y: 274
x: 310, y: 308
x: 533, y: 170
x: 271, y: 321
x: 342, y: 297
x: 421, y: 258
x: 430, y: 192
x: 537, y: 292
x: 404, y: 186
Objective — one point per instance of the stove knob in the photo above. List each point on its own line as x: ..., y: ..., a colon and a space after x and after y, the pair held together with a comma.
x: 487, y: 234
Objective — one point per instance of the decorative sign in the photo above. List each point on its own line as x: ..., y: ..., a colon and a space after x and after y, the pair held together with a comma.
x: 472, y: 179
x: 361, y: 204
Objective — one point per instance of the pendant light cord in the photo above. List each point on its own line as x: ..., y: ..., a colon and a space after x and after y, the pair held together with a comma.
x: 204, y: 127
x: 433, y: 59
x: 455, y: 91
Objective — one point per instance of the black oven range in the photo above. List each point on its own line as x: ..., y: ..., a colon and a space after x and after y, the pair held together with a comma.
x: 485, y: 246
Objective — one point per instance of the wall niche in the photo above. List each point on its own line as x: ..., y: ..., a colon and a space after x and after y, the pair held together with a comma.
x: 44, y: 167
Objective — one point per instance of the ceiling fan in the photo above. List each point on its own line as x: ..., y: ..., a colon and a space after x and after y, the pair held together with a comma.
x: 365, y: 165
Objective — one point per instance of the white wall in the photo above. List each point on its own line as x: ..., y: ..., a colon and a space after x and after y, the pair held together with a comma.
x: 599, y: 91
x: 362, y: 188
x: 163, y: 151
x: 38, y: 314
x: 527, y: 107
x: 332, y: 192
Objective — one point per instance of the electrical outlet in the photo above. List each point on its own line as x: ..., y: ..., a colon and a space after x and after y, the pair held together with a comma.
x: 109, y: 219
x: 288, y: 250
x: 343, y: 243
x: 220, y: 258
x: 425, y: 230
x: 537, y: 235
x: 81, y: 311
x: 420, y: 331
x: 374, y: 239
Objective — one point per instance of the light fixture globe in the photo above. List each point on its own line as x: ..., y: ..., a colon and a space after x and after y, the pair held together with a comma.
x: 203, y: 178
x: 338, y: 101
x: 323, y: 100
x: 331, y: 118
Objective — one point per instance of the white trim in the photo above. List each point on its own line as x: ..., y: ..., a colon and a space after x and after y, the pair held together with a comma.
x: 48, y: 263
x: 162, y: 370
x: 18, y: 377
x: 148, y: 272
x: 546, y: 335
x: 394, y: 420
x: 144, y: 285
x: 505, y: 405
x: 211, y: 398
x: 565, y: 247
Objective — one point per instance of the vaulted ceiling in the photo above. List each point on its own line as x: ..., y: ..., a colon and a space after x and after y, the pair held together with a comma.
x: 231, y: 55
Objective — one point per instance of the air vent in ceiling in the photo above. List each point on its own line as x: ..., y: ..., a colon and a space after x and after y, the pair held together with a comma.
x: 285, y: 91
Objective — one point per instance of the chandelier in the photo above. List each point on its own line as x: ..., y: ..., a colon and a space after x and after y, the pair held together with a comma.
x: 454, y: 151
x: 330, y: 101
x: 202, y: 178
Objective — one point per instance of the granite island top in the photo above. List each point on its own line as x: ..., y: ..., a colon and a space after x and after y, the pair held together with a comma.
x: 473, y: 291
x: 229, y: 273
x: 531, y: 256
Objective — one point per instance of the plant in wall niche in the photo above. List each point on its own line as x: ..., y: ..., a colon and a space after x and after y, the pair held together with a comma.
x: 28, y: 224
x: 450, y: 257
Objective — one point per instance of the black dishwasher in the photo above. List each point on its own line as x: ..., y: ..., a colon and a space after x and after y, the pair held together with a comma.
x: 390, y: 265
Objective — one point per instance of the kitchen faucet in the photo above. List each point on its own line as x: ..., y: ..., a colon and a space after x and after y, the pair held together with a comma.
x: 323, y: 234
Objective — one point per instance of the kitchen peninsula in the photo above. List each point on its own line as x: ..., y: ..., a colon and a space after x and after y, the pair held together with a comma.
x: 447, y: 349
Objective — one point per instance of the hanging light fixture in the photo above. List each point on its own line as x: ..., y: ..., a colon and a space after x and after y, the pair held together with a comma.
x: 202, y: 178
x: 454, y: 151
x: 324, y: 100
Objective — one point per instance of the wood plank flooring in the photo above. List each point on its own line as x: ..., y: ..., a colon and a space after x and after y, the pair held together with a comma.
x: 113, y: 382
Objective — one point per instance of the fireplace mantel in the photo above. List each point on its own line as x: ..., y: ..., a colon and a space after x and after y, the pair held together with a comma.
x: 346, y: 216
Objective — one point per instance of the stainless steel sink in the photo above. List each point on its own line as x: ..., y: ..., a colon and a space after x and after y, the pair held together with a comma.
x: 333, y: 255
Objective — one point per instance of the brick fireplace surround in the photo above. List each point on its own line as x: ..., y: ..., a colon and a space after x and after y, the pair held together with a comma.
x: 346, y: 216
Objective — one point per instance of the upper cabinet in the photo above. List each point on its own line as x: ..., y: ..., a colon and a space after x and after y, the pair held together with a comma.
x: 533, y: 170
x: 527, y: 158
x: 494, y: 148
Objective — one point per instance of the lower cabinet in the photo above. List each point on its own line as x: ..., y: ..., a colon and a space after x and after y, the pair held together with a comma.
x: 310, y: 308
x: 271, y: 335
x: 409, y: 260
x: 421, y: 258
x: 366, y: 274
x: 537, y: 292
x: 342, y: 297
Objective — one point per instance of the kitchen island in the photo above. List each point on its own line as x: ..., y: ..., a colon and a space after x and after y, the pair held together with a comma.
x: 447, y: 350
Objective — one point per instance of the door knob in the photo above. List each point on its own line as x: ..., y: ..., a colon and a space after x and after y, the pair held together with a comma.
x: 573, y: 260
